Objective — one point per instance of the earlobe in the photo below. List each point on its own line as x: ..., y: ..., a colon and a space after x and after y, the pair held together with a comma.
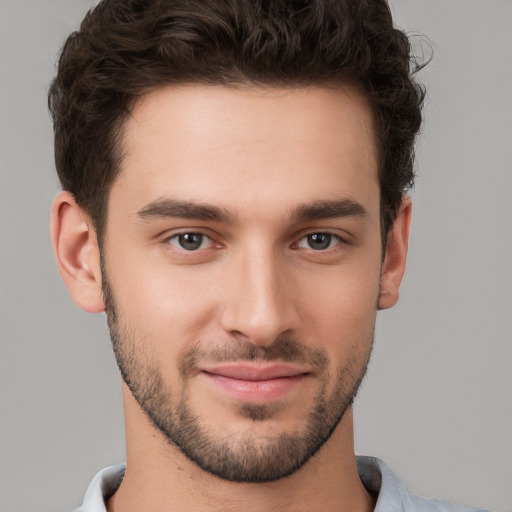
x: 393, y: 267
x: 77, y: 253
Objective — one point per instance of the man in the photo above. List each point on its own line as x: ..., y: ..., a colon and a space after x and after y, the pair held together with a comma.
x: 234, y: 178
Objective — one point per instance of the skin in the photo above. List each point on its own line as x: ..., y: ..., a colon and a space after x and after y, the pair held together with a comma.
x: 259, y: 155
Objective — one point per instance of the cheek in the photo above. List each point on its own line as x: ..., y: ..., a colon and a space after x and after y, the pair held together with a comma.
x: 166, y: 308
x: 341, y: 308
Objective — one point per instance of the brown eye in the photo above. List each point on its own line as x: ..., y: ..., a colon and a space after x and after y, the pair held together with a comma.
x: 189, y: 241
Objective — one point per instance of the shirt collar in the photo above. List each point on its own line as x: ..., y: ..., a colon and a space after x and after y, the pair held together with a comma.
x: 376, y: 476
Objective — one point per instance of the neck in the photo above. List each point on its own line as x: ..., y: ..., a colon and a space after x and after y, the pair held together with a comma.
x: 160, y: 478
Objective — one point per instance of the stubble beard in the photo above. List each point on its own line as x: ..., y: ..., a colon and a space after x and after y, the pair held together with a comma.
x: 245, y: 459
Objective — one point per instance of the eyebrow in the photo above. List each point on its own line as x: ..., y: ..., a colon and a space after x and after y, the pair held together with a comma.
x: 319, y: 210
x: 171, y: 208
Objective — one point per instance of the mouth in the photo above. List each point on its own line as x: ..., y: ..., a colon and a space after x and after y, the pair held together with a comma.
x: 256, y: 383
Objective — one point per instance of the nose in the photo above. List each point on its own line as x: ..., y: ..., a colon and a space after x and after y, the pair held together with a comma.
x: 259, y: 302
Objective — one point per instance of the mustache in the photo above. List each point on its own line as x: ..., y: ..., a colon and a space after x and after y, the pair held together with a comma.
x: 282, y: 350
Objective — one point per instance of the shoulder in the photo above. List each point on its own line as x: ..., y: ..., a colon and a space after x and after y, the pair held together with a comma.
x: 431, y: 505
x: 421, y: 503
x: 392, y: 494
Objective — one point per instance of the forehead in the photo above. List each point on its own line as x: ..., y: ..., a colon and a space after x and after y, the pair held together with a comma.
x: 247, y: 147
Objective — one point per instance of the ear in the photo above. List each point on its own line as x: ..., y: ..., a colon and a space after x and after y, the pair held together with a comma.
x: 393, y: 267
x: 77, y: 253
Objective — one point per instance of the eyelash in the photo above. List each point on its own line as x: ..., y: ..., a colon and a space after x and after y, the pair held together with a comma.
x: 177, y: 237
x: 331, y: 237
x: 203, y: 237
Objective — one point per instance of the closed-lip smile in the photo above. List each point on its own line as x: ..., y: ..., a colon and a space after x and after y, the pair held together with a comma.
x: 255, y: 382
x: 254, y: 372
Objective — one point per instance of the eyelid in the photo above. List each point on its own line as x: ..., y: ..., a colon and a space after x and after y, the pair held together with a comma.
x: 341, y: 235
x: 174, y: 234
x: 344, y: 238
x: 334, y: 237
x: 205, y: 240
x: 170, y: 233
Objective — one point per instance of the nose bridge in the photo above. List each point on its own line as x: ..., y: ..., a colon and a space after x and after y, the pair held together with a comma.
x: 259, y: 304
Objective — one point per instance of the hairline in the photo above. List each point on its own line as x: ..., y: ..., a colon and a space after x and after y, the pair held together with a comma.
x: 120, y: 150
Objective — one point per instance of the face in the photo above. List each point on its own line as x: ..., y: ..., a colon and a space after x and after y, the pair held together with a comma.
x: 241, y: 269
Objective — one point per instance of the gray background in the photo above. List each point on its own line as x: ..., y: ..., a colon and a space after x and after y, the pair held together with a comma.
x: 437, y: 403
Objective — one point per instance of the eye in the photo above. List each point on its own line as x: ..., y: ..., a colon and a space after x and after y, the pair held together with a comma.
x: 319, y: 241
x: 190, y: 241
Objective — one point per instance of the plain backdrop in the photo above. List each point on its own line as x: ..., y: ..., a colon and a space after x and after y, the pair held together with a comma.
x: 437, y: 402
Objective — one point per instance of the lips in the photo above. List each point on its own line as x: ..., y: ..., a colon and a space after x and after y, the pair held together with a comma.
x: 258, y: 383
x: 252, y: 372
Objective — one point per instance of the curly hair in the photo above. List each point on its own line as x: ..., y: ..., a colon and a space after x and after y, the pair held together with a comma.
x: 126, y: 48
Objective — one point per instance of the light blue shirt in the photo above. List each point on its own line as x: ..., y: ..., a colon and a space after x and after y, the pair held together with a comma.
x: 378, y: 478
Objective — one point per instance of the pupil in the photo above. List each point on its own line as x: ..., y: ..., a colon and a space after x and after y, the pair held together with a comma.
x: 191, y: 241
x: 319, y: 241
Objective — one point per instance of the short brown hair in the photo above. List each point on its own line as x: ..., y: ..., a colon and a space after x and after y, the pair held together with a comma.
x: 125, y: 48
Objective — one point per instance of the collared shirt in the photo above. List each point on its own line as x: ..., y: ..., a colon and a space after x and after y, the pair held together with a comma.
x: 378, y: 478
